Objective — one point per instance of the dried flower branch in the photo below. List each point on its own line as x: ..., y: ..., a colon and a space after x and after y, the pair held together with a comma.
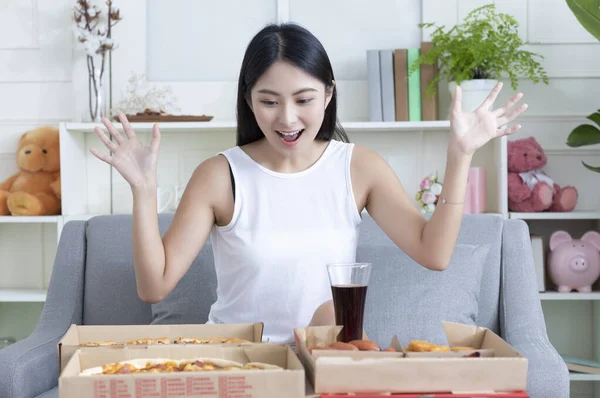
x: 94, y: 30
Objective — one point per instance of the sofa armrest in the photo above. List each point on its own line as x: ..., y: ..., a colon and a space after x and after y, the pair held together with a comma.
x: 30, y: 366
x: 547, y: 373
x: 522, y: 322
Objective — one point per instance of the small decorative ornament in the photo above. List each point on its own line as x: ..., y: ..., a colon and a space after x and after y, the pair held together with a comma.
x: 428, y: 196
x: 140, y: 98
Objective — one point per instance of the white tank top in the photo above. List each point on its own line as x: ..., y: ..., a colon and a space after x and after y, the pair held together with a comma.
x: 270, y: 260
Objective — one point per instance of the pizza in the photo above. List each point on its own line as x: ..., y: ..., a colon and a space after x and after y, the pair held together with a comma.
x: 159, y: 340
x: 99, y: 343
x: 164, y: 365
x: 166, y: 340
x: 213, y: 340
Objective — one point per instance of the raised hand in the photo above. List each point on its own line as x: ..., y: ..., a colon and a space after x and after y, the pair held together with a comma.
x: 470, y: 131
x: 134, y: 161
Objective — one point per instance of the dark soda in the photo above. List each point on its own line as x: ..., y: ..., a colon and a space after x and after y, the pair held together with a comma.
x: 349, y: 305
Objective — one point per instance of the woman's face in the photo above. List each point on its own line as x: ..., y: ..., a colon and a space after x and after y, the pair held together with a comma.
x: 289, y: 106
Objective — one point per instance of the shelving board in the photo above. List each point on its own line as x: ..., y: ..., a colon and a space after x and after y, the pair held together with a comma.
x: 569, y: 296
x: 584, y: 377
x: 29, y: 219
x: 231, y: 125
x: 573, y: 215
x: 22, y: 295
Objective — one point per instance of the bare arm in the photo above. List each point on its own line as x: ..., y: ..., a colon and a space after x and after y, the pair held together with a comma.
x: 392, y: 209
x: 431, y: 243
x: 441, y: 232
x: 161, y: 263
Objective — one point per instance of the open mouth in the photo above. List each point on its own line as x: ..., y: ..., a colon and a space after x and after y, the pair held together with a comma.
x: 290, y: 136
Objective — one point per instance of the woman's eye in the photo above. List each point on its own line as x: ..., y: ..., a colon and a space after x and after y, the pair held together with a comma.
x: 268, y: 102
x: 304, y: 101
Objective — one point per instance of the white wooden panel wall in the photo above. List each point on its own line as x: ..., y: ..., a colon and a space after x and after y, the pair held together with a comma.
x: 36, y: 87
x: 35, y: 81
x: 196, y: 50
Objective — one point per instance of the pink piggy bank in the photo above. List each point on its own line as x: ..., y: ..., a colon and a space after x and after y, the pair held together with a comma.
x: 574, y: 264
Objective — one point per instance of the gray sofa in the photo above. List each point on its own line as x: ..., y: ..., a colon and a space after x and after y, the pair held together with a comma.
x: 490, y: 282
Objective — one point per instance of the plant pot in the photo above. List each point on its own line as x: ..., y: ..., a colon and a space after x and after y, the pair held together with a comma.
x: 474, y: 92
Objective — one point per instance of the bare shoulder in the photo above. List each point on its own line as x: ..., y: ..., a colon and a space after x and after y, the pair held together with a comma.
x: 211, y: 172
x: 210, y: 184
x: 367, y: 164
x: 365, y: 156
x: 368, y: 170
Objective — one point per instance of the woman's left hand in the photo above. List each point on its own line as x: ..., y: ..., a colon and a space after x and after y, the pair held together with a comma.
x: 470, y: 131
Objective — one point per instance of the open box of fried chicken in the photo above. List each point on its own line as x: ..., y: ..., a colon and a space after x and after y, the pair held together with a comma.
x: 475, y: 360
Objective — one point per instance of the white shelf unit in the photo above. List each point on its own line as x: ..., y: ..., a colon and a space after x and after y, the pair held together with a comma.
x: 29, y: 220
x: 22, y: 295
x: 584, y: 377
x: 574, y: 215
x: 572, y: 319
x: 569, y: 296
x: 413, y: 150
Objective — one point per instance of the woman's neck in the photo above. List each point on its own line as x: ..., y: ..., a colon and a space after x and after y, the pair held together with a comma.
x: 263, y: 153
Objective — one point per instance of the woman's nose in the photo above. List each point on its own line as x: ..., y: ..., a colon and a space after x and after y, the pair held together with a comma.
x: 287, y: 115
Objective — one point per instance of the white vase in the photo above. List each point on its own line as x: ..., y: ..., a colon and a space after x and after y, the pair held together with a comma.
x: 473, y: 92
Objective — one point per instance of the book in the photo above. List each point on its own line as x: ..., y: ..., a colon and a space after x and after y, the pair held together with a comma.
x: 429, y: 102
x: 401, y: 84
x: 374, y: 86
x: 386, y: 66
x: 414, y: 87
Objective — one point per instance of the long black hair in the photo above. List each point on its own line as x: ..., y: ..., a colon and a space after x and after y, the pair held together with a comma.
x: 294, y: 44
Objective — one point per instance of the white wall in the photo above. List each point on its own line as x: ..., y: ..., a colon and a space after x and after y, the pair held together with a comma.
x: 196, y: 47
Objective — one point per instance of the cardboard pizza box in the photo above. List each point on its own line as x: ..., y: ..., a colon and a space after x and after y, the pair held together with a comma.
x: 520, y: 394
x: 286, y: 382
x: 499, y: 368
x: 122, y: 334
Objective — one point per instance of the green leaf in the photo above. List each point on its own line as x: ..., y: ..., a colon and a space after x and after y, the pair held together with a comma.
x: 587, y: 13
x: 486, y: 44
x: 592, y: 168
x: 583, y: 135
x: 595, y: 117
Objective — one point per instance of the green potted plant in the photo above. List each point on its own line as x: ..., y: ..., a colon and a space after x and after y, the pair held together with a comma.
x: 587, y: 13
x: 477, y: 52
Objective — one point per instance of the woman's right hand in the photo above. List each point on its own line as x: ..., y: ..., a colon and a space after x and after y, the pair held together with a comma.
x: 134, y: 161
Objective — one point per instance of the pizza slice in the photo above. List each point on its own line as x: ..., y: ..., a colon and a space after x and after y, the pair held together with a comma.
x: 163, y: 365
x: 212, y: 340
x: 99, y: 343
x: 196, y: 365
x: 149, y: 340
x: 190, y: 340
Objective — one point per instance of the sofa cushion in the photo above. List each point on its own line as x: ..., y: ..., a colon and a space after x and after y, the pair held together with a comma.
x: 110, y: 294
x: 190, y: 301
x: 409, y: 300
x: 49, y: 394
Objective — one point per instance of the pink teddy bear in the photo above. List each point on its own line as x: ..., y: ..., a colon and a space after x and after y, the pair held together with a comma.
x: 529, y: 188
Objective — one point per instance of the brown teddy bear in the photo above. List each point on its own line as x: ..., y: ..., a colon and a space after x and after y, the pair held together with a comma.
x: 34, y: 190
x: 529, y: 188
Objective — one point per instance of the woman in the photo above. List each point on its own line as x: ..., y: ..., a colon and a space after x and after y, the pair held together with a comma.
x: 287, y: 199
